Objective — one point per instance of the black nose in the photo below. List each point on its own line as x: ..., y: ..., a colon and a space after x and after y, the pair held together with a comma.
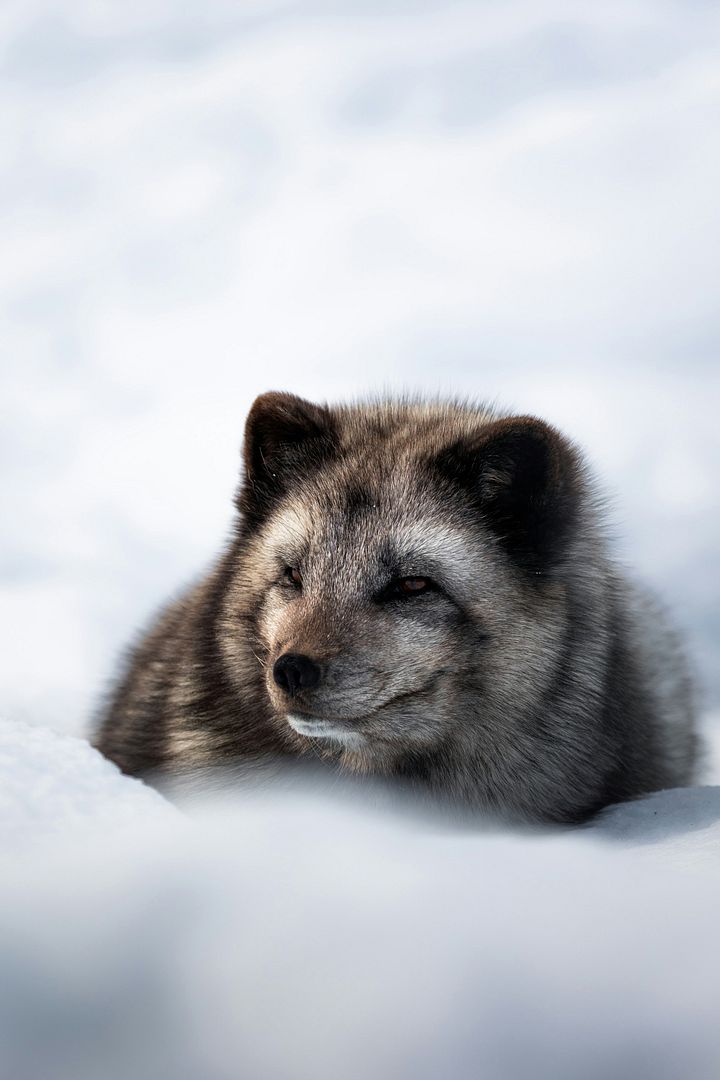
x: 294, y: 672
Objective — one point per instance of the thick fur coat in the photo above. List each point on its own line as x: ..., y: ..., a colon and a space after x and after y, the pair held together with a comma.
x: 420, y: 590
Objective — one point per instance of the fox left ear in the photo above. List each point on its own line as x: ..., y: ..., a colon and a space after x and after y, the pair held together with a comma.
x: 286, y: 437
x: 525, y: 480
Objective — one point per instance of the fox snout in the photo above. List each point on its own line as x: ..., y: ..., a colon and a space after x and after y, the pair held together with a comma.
x: 293, y: 672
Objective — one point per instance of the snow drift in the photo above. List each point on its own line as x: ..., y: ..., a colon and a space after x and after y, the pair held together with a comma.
x: 309, y: 933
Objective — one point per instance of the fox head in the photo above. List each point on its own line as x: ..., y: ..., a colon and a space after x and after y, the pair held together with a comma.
x: 401, y: 571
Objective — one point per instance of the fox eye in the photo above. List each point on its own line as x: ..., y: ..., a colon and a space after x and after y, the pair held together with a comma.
x: 404, y: 587
x: 411, y: 586
x: 293, y: 576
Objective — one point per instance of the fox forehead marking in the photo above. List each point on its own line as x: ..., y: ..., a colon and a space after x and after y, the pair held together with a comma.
x: 289, y: 529
x: 400, y: 539
x: 435, y: 541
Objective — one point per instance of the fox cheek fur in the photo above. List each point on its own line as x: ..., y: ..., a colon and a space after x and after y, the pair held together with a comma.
x: 422, y: 590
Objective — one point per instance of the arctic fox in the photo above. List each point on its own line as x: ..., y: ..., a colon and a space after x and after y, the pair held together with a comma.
x: 419, y: 590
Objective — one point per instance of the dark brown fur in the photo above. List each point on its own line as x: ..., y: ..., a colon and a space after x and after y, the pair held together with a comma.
x: 534, y: 680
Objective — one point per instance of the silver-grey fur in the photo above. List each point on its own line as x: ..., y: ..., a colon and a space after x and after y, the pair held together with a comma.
x: 527, y: 677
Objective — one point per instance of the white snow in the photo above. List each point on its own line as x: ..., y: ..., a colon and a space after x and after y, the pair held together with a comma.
x: 54, y: 787
x: 313, y: 933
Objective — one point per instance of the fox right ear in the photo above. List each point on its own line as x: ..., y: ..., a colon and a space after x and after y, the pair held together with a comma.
x: 285, y: 438
x: 525, y: 481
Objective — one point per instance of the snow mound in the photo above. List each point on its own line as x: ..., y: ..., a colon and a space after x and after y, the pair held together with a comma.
x: 308, y: 933
x: 682, y: 824
x: 53, y: 786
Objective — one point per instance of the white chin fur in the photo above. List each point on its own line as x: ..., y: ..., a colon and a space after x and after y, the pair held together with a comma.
x: 323, y: 729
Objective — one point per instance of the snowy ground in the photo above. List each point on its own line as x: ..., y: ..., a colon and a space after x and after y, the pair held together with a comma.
x: 311, y: 934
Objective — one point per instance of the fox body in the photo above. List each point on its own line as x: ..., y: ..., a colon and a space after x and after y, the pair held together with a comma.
x: 420, y: 590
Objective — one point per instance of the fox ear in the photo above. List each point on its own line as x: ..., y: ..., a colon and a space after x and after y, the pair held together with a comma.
x: 286, y: 437
x: 525, y: 480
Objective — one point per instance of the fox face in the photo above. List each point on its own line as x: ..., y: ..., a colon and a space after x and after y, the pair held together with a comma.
x: 362, y: 624
x: 402, y: 571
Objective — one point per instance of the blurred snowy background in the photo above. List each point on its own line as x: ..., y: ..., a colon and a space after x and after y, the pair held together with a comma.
x: 202, y: 201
